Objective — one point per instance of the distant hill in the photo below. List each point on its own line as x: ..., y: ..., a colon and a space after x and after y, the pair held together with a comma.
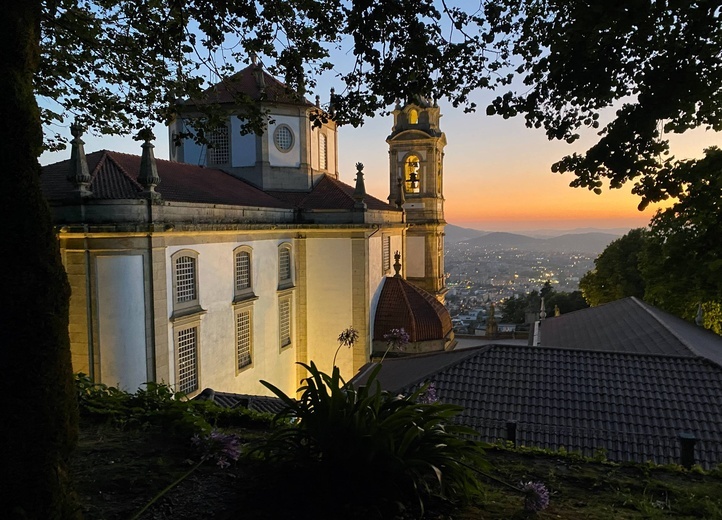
x: 457, y: 234
x: 579, y: 243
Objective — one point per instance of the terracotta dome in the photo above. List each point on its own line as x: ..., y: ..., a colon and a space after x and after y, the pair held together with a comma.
x: 402, y: 304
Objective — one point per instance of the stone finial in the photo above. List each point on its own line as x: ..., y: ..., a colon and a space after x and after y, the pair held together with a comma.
x: 699, y: 318
x: 401, y: 198
x: 332, y: 103
x: 397, y: 264
x: 318, y: 100
x: 359, y: 193
x: 258, y: 73
x: 542, y: 310
x: 79, y: 174
x: 148, y: 176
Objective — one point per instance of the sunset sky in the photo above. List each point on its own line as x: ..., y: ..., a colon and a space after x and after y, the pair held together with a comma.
x: 497, y: 174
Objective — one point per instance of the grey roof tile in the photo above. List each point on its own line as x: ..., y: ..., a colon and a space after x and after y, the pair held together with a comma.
x: 630, y: 325
x: 257, y: 403
x: 629, y: 404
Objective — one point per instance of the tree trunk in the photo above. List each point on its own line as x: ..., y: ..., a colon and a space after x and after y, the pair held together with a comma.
x: 39, y: 422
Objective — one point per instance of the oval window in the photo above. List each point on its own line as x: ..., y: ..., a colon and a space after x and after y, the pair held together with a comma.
x: 283, y: 138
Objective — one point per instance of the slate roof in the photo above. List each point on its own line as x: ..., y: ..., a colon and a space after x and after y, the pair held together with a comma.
x: 329, y: 194
x: 630, y: 325
x: 257, y: 403
x: 245, y: 83
x: 114, y: 174
x: 629, y: 404
x: 402, y: 304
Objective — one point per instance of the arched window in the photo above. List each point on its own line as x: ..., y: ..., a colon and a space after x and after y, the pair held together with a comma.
x: 285, y: 266
x: 413, y: 116
x: 322, y: 152
x: 185, y: 280
x: 243, y: 286
x: 412, y: 177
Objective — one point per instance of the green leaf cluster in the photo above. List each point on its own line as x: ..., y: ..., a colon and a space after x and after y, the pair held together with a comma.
x: 158, y: 405
x: 516, y: 308
x: 366, y: 451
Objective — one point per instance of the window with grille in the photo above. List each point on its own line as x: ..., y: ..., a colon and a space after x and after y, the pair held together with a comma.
x: 322, y: 152
x: 284, y: 265
x: 386, y: 253
x: 284, y: 321
x: 243, y: 339
x: 219, y: 146
x: 185, y: 279
x: 187, y: 344
x: 283, y: 138
x: 243, y: 271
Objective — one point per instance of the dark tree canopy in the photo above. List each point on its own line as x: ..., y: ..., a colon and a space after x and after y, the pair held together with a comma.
x: 677, y: 263
x: 118, y: 66
x: 682, y: 264
x: 657, y: 63
x: 617, y: 271
x: 518, y: 309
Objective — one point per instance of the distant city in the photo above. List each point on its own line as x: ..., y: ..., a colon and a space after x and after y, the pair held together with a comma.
x: 485, y: 267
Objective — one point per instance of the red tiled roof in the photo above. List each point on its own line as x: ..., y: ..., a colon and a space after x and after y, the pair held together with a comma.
x: 402, y: 304
x: 113, y: 176
x: 244, y: 83
x: 329, y: 194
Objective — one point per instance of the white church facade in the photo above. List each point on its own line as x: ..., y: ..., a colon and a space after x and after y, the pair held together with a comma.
x: 232, y: 263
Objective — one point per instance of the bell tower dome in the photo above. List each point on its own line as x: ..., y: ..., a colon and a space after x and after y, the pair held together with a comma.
x: 416, y: 155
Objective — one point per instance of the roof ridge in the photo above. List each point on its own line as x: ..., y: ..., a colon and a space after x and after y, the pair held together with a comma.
x: 654, y: 315
x: 109, y: 155
x: 406, y: 300
x: 590, y: 351
x: 340, y: 185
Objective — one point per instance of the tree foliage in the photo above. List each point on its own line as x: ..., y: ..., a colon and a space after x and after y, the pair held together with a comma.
x: 118, y: 66
x: 656, y: 63
x: 617, y: 271
x: 683, y: 261
x: 676, y: 264
x: 516, y: 309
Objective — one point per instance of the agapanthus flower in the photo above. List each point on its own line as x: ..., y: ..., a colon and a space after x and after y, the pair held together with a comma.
x: 536, y: 496
x: 220, y: 446
x: 347, y: 338
x: 397, y: 338
x: 429, y: 396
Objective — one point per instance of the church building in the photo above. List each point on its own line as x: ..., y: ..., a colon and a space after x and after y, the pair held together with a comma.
x: 233, y: 262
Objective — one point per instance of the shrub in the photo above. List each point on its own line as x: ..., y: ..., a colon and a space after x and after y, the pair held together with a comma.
x: 365, y: 452
x: 158, y: 405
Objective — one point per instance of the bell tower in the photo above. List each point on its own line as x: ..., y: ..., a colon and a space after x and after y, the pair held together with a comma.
x: 416, y: 155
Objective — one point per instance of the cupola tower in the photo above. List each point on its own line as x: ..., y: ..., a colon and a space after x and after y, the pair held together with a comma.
x: 416, y: 155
